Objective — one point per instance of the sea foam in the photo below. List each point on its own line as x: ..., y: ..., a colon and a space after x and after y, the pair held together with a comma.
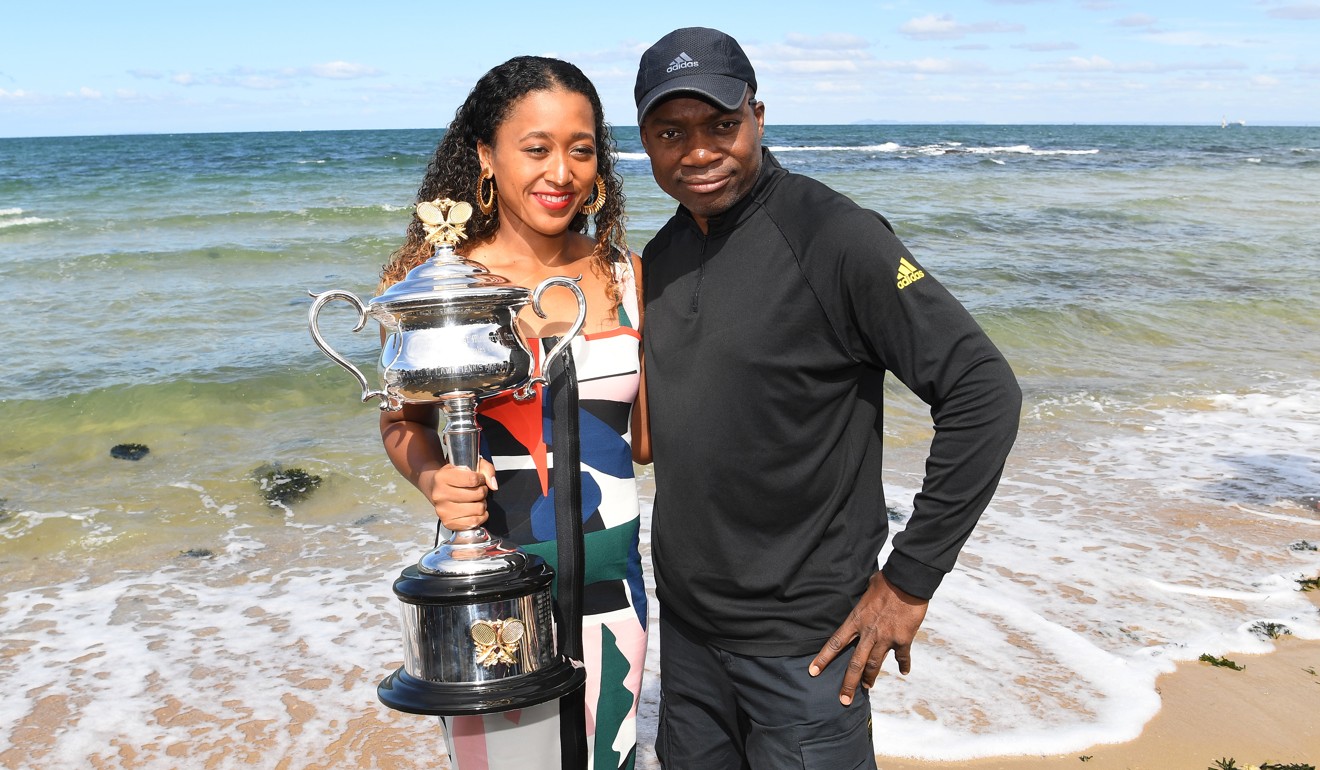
x: 1104, y: 562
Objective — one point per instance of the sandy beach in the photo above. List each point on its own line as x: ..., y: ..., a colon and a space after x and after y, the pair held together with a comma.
x: 1266, y: 712
x: 1263, y: 713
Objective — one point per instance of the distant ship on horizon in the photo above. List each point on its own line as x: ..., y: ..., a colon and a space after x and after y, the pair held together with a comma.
x: 1225, y: 123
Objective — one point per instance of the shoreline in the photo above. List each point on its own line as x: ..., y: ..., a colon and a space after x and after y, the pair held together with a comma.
x: 1267, y: 712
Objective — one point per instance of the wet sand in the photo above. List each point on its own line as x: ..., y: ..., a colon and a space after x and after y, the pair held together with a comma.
x: 1268, y: 712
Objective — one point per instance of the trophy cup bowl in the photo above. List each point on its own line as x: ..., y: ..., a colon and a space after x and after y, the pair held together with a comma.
x: 477, y: 614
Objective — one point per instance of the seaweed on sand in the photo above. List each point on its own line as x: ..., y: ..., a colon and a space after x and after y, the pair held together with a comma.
x: 1269, y: 630
x: 1221, y: 662
x: 1228, y: 763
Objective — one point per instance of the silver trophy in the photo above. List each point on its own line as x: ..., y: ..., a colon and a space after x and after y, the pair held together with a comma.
x: 478, y: 629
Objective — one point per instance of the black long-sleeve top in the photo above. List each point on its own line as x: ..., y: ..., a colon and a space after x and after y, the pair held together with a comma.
x: 767, y: 341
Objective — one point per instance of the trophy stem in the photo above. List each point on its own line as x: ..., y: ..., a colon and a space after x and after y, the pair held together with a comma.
x: 462, y: 439
x: 462, y: 436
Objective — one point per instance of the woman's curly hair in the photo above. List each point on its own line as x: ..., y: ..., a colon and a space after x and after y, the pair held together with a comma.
x: 455, y: 168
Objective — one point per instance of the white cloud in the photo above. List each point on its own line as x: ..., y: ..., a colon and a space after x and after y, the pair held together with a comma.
x: 1194, y: 39
x: 838, y: 87
x: 342, y: 70
x: 814, y: 59
x: 945, y: 27
x: 89, y: 93
x: 1136, y: 20
x: 1297, y: 12
x: 831, y: 42
x: 933, y: 66
x: 17, y: 95
x: 1060, y: 46
x: 255, y: 82
x: 948, y: 98
x: 1101, y: 64
x: 1265, y: 81
x: 1084, y: 64
x: 821, y: 66
x: 272, y: 79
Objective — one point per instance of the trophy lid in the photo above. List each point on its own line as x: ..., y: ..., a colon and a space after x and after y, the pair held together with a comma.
x: 446, y: 276
x: 472, y: 552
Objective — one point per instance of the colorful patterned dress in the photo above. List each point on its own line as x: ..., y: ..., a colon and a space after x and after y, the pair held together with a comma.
x: 516, y: 438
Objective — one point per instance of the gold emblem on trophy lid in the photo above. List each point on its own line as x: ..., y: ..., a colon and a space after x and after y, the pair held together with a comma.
x: 497, y: 641
x: 443, y: 220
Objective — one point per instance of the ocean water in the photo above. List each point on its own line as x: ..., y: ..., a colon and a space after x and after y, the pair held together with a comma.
x: 1157, y: 289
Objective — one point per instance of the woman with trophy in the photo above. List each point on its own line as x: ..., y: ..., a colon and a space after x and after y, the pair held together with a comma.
x: 529, y: 150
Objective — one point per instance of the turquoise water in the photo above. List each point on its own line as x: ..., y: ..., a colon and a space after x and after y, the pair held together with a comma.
x: 1157, y: 290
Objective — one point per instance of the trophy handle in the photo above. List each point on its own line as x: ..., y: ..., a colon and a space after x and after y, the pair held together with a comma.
x: 529, y: 389
x: 321, y: 300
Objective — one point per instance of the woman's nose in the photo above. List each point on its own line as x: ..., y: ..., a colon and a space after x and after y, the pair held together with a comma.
x: 558, y: 172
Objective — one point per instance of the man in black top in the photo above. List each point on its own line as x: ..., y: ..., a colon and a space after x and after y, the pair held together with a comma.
x: 774, y: 307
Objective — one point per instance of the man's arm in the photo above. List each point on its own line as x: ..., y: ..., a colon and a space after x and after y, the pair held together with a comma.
x: 905, y: 322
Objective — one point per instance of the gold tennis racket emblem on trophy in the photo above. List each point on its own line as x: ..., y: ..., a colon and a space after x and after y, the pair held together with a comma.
x: 444, y: 220
x: 497, y: 641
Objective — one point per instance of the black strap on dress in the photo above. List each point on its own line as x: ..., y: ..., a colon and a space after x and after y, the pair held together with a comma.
x: 567, y: 480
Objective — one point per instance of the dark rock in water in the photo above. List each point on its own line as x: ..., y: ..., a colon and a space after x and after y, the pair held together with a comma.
x: 1303, y: 545
x: 129, y: 451
x: 284, y: 486
x: 894, y: 514
x: 1309, y: 501
x: 369, y: 518
x: 197, y: 553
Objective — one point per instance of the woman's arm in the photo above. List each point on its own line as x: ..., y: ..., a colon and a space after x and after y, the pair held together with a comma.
x: 414, y: 447
x: 641, y: 422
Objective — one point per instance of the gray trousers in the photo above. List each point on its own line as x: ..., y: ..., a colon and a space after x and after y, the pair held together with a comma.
x: 724, y: 711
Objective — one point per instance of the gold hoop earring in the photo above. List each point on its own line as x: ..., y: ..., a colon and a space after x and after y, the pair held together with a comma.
x: 484, y: 202
x: 597, y: 203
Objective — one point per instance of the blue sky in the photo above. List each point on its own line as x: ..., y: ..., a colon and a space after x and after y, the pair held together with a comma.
x: 79, y: 68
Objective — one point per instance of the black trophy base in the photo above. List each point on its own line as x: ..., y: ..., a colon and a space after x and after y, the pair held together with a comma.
x: 402, y: 691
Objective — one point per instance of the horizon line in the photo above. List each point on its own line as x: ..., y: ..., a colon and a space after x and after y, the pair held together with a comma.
x: 855, y: 123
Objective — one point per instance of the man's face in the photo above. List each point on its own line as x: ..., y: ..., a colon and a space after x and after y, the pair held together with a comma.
x: 703, y: 156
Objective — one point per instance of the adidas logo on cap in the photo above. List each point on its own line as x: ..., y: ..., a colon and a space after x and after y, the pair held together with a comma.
x: 681, y: 61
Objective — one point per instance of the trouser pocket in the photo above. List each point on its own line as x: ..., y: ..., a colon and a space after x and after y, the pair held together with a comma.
x: 850, y: 748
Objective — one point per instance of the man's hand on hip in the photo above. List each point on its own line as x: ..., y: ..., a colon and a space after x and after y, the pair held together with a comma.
x: 886, y: 618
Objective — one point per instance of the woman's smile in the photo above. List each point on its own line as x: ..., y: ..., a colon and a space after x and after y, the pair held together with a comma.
x: 555, y: 201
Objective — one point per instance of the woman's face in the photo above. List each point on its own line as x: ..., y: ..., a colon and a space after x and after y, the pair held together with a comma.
x: 544, y: 161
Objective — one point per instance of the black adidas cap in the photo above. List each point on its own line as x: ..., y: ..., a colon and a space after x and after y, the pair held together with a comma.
x: 704, y: 62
